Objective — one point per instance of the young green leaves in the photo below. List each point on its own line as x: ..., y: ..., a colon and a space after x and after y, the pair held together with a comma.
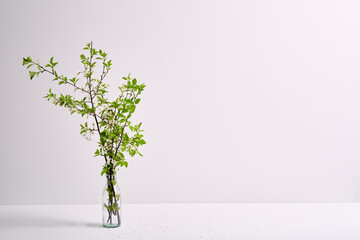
x: 118, y: 136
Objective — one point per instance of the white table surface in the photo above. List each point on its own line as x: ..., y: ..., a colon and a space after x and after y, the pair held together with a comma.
x: 290, y: 221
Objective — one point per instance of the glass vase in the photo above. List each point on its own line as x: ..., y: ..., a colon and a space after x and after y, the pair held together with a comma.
x: 111, y: 203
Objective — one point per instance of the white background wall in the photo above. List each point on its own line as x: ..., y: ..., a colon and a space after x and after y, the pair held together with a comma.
x: 247, y: 101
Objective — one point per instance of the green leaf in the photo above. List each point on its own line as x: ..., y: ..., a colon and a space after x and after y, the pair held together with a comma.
x: 121, y: 115
x: 32, y: 74
x: 137, y: 100
x: 123, y: 148
x: 132, y: 152
x: 134, y: 81
x: 27, y: 60
x: 113, y: 182
x: 97, y: 152
x: 132, y: 109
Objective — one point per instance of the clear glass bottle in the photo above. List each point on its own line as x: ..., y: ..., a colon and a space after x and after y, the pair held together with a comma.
x: 111, y: 203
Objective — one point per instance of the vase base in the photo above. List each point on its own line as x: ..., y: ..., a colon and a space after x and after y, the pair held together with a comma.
x: 111, y: 226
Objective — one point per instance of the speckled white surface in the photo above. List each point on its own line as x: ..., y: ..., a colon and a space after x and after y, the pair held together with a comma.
x: 185, y: 221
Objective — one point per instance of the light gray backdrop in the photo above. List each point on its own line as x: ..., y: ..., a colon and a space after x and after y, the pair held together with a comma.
x: 247, y: 101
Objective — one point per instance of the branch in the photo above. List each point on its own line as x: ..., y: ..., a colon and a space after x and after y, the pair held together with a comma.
x: 103, y: 75
x: 65, y: 81
x: 122, y: 133
x: 91, y: 98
